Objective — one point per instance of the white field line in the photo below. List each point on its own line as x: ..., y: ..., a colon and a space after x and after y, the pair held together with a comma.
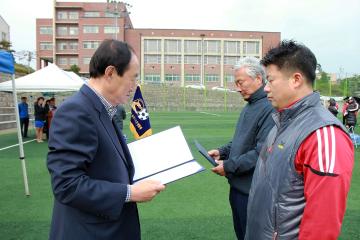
x: 16, y: 145
x: 213, y: 114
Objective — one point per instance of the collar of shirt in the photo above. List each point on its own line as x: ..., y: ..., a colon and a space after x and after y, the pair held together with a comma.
x: 111, y: 110
x: 289, y: 106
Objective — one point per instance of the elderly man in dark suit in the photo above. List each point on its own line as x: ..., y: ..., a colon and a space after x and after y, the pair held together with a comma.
x: 90, y: 165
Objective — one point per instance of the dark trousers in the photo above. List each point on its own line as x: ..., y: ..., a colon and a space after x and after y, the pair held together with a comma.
x: 24, y: 125
x: 238, y: 203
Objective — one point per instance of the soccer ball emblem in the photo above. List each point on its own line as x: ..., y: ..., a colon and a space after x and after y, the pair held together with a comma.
x: 143, y: 114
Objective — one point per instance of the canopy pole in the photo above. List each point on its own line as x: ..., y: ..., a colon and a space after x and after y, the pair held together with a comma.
x: 21, y: 147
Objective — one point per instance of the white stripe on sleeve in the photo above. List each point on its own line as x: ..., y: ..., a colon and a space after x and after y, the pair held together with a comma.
x: 319, y: 150
x: 326, y: 138
x: 333, y: 150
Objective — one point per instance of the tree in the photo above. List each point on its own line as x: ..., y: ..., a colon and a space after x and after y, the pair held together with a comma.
x: 5, y: 45
x: 319, y: 68
x: 75, y: 68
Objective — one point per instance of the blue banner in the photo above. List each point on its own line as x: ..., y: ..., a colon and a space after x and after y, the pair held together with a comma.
x: 140, y: 121
x: 6, y: 62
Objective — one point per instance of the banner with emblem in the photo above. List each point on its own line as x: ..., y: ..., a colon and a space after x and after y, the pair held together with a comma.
x: 140, y: 121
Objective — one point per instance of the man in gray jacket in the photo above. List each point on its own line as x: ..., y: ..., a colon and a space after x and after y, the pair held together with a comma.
x: 237, y: 159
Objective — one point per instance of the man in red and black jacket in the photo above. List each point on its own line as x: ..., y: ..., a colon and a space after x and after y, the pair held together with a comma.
x: 303, y: 174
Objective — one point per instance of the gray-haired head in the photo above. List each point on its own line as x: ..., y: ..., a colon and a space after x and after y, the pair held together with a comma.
x: 252, y: 66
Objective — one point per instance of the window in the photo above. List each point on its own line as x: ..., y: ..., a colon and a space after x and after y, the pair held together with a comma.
x: 46, y: 30
x: 3, y: 36
x: 91, y: 44
x: 73, y: 15
x: 173, y: 46
x: 192, y: 46
x: 62, y: 61
x: 73, y: 45
x: 62, y: 15
x: 232, y: 47
x: 251, y: 47
x: 172, y: 77
x: 211, y: 78
x: 61, y: 31
x: 73, y: 61
x: 192, y: 59
x: 152, y: 59
x: 111, y: 29
x: 212, y: 46
x: 152, y: 78
x: 192, y: 77
x: 61, y: 45
x: 212, y: 59
x: 86, y: 60
x: 91, y: 14
x: 90, y: 29
x: 173, y: 59
x: 110, y: 14
x: 46, y: 46
x: 73, y: 30
x: 230, y: 60
x: 229, y: 78
x: 152, y: 45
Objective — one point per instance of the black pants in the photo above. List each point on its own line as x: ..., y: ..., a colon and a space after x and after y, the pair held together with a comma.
x: 238, y: 203
x: 24, y: 125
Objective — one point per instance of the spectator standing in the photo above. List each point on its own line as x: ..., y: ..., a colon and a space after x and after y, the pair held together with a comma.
x: 24, y: 116
x: 333, y: 107
x: 40, y: 112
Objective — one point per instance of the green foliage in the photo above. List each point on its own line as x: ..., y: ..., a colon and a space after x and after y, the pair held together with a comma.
x: 75, y: 68
x: 22, y: 69
x: 353, y: 84
x: 6, y: 45
x: 343, y: 87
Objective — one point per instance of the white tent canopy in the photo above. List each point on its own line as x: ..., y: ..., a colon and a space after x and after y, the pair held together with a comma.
x: 47, y: 79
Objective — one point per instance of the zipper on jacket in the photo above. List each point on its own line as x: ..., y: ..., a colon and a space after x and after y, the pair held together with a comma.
x: 274, y: 236
x: 275, y: 233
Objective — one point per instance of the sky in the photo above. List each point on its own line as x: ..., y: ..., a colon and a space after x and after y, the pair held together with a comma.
x: 330, y: 28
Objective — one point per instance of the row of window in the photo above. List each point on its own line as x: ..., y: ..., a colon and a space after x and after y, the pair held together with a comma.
x: 73, y: 15
x: 188, y: 78
x: 69, y: 45
x: 64, y: 61
x: 72, y: 60
x: 195, y: 46
x: 74, y: 30
x: 190, y: 59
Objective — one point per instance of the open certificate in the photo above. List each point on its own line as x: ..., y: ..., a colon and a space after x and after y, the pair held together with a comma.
x: 164, y: 156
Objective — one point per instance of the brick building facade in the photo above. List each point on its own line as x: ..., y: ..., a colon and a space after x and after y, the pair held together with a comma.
x: 175, y: 56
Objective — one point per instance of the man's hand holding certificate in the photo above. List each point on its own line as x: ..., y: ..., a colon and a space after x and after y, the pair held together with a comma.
x: 164, y: 156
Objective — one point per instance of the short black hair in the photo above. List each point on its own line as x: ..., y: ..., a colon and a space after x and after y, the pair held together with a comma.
x: 110, y: 53
x: 292, y: 55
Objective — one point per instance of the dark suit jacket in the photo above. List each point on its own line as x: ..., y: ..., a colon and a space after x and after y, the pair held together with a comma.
x: 90, y: 167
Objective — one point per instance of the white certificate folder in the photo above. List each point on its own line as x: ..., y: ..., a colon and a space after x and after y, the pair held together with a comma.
x: 164, y: 156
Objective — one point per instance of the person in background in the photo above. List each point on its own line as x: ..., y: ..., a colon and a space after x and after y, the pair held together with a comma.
x: 351, y: 114
x: 237, y: 159
x: 333, y: 107
x: 46, y: 123
x: 120, y: 116
x: 40, y: 112
x: 24, y: 116
x: 51, y: 111
x: 343, y: 110
x: 303, y: 174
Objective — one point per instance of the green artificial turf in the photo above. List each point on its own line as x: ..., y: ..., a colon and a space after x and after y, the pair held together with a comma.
x: 192, y: 208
